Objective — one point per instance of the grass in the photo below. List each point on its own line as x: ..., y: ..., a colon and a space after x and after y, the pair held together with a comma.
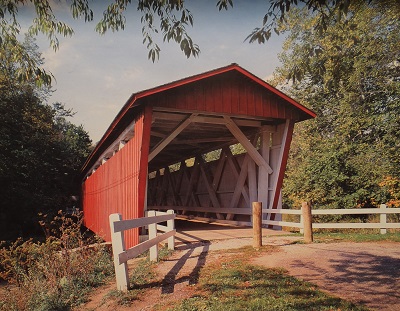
x: 356, y: 237
x: 231, y: 284
x: 348, y: 235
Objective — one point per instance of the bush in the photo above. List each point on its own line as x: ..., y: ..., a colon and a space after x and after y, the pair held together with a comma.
x: 55, y: 274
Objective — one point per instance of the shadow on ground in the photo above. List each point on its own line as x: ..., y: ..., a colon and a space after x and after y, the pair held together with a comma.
x: 370, y: 276
x: 191, y: 253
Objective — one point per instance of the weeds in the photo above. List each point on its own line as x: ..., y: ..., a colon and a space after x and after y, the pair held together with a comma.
x: 55, y: 274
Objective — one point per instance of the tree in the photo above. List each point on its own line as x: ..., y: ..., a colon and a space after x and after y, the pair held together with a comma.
x: 171, y: 18
x: 350, y: 76
x: 41, y: 152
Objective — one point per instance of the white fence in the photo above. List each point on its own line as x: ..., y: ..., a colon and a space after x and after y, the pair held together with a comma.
x: 121, y: 256
x: 383, y: 225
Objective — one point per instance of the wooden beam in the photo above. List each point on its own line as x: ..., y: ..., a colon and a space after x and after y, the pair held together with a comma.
x: 219, y: 170
x: 252, y: 176
x: 170, y: 186
x: 210, y: 188
x: 236, y: 171
x: 157, y: 134
x: 263, y: 177
x: 249, y: 123
x: 217, y: 221
x: 218, y: 174
x: 162, y: 144
x: 144, y: 168
x: 192, y: 183
x: 251, y: 150
x: 153, y: 189
x: 201, y: 140
x: 164, y: 189
x: 283, y: 155
x: 179, y: 179
x: 185, y: 174
x: 222, y: 121
x: 240, y: 182
x: 169, y: 116
x: 225, y: 210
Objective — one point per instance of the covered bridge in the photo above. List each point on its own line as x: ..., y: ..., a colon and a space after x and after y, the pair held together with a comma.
x: 173, y: 147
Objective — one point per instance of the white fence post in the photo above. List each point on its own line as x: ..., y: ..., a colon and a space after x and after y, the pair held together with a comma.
x: 118, y: 246
x: 302, y: 224
x: 383, y: 219
x: 171, y: 226
x: 152, y: 235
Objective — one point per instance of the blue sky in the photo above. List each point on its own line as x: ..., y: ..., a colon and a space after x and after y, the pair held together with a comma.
x: 95, y: 74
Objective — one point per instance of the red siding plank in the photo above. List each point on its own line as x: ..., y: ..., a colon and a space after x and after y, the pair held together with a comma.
x: 118, y: 186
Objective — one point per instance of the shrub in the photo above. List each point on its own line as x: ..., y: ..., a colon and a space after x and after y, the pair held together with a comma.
x: 55, y: 274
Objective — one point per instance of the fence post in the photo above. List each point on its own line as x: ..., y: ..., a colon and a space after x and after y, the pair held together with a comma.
x: 307, y: 219
x: 383, y: 218
x: 301, y: 231
x: 118, y: 246
x: 171, y: 226
x: 257, y: 222
x: 152, y: 235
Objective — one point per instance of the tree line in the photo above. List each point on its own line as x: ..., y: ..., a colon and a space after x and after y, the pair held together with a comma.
x: 41, y: 151
x: 349, y: 156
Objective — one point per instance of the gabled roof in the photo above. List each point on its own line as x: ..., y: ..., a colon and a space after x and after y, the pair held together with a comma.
x: 124, y: 117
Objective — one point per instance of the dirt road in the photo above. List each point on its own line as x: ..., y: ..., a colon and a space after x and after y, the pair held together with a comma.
x: 364, y: 273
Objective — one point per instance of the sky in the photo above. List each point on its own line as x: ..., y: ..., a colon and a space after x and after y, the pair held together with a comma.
x: 96, y: 74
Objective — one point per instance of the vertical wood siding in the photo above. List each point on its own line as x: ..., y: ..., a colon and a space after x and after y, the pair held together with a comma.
x: 119, y: 185
x: 229, y: 94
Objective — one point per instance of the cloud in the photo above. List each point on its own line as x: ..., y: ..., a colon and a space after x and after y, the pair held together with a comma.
x: 62, y: 59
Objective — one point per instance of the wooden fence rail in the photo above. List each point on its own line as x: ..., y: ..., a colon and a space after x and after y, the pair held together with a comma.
x: 121, y: 255
x: 383, y: 225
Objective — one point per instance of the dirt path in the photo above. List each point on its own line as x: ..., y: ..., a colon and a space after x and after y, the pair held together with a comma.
x: 366, y: 273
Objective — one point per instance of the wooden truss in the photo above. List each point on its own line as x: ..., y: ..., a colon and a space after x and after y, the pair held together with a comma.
x: 221, y: 188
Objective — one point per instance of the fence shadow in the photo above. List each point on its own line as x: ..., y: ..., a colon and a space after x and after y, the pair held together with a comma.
x: 196, y: 250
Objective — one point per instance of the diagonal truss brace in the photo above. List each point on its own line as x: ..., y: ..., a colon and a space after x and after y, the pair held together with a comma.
x: 163, y: 143
x: 251, y: 150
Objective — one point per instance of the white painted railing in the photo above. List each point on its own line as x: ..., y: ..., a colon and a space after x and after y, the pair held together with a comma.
x: 383, y: 225
x: 121, y: 255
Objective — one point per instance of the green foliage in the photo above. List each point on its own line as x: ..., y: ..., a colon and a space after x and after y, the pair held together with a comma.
x: 326, y: 13
x: 350, y: 76
x: 233, y: 285
x: 171, y: 18
x: 41, y: 152
x: 53, y: 275
x: 28, y: 68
